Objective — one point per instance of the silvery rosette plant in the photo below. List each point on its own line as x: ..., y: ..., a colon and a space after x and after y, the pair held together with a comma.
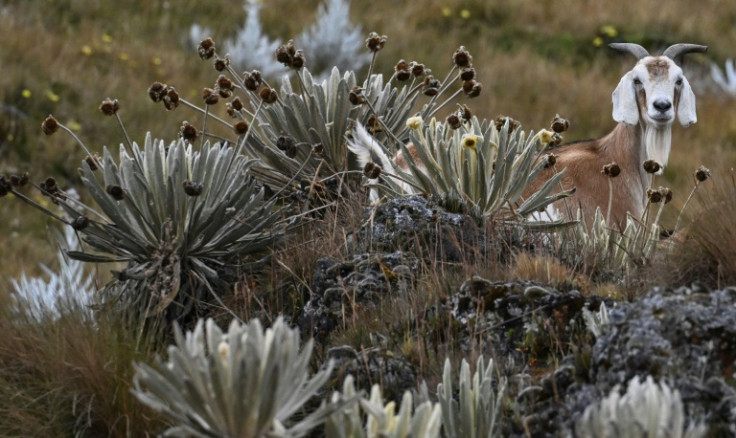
x: 184, y: 221
x: 473, y: 166
x: 245, y: 382
x: 381, y: 419
x: 472, y: 409
x: 645, y: 410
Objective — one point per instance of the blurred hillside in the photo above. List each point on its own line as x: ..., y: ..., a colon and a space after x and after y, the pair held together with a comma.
x: 534, y: 59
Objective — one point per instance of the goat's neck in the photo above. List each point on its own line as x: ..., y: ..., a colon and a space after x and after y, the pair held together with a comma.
x: 617, y: 147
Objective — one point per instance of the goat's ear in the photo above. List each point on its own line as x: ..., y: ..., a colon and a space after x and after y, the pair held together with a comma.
x: 686, y: 108
x: 625, y: 109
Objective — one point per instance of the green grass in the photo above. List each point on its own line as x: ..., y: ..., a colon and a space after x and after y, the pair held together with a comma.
x: 534, y: 60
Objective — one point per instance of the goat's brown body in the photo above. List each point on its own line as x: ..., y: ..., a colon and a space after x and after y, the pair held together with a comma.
x: 584, y: 160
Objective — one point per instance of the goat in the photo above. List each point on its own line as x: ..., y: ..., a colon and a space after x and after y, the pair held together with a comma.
x: 645, y: 104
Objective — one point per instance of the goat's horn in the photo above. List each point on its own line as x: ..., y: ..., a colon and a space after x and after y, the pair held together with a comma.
x: 676, y: 51
x: 635, y: 49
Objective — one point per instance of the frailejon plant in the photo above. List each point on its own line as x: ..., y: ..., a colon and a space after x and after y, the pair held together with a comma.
x: 472, y: 410
x: 244, y: 383
x: 183, y: 220
x: 299, y: 134
x: 382, y: 420
x: 473, y: 166
x: 69, y: 288
x: 646, y: 410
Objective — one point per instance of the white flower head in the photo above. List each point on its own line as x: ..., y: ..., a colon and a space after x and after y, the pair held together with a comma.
x: 415, y: 123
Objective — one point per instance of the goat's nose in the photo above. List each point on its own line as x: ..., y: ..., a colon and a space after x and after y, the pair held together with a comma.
x: 662, y: 105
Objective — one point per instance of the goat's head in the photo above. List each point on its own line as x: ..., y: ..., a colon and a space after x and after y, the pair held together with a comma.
x: 655, y: 90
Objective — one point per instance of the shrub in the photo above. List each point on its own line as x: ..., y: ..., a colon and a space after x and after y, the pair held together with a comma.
x: 244, y: 383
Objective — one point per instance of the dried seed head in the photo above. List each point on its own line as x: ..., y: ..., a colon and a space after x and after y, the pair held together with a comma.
x: 299, y: 60
x: 467, y: 74
x: 318, y: 149
x: 374, y: 124
x: 80, y: 222
x: 465, y: 113
x: 651, y: 166
x: 289, y: 56
x: 24, y: 179
x: 50, y: 125
x: 241, y: 127
x: 475, y: 90
x: 559, y: 124
x: 221, y: 64
x: 462, y: 58
x: 551, y: 160
x: 210, y: 97
x: 285, y: 142
x: 371, y: 170
x: 237, y: 104
x: 403, y: 75
x: 431, y: 86
x: 654, y: 196
x: 501, y: 121
x: 206, y: 48
x: 157, y: 91
x: 702, y: 174
x: 109, y: 107
x: 666, y: 194
x: 417, y: 69
x: 223, y: 82
x: 192, y: 188
x: 171, y: 99
x: 92, y: 163
x: 611, y: 170
x: 188, y: 131
x: 375, y: 42
x: 317, y: 190
x: 453, y: 120
x: 116, y: 192
x: 50, y: 185
x: 356, y: 96
x: 253, y: 80
x: 224, y: 93
x: 268, y: 95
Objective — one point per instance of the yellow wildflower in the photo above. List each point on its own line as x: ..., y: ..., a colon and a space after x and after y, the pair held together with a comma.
x: 26, y: 93
x: 470, y: 141
x: 465, y: 14
x: 414, y: 123
x: 50, y: 95
x: 86, y: 50
x: 609, y: 31
x: 106, y: 38
x: 446, y: 11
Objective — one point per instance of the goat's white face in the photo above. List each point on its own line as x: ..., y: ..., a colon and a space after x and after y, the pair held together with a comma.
x: 654, y: 91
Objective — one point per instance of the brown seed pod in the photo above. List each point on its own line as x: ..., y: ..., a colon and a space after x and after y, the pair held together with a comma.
x: 268, y: 95
x: 116, y: 192
x: 253, y: 80
x: 651, y: 166
x: 221, y: 64
x: 80, y: 222
x: 92, y: 163
x: 559, y: 124
x: 375, y: 42
x: 206, y: 48
x: 454, y: 121
x: 109, y: 107
x: 157, y: 91
x: 241, y: 127
x: 551, y: 160
x: 50, y: 125
x: 462, y: 58
x: 467, y: 74
x: 188, y: 131
x: 702, y: 174
x: 611, y: 170
x: 210, y: 97
x: 371, y: 170
x: 654, y: 196
x: 192, y: 188
x: 171, y: 99
x: 417, y: 69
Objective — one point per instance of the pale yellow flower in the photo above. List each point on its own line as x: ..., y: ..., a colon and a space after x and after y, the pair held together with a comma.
x: 26, y: 93
x: 86, y: 50
x: 415, y: 123
x: 470, y: 141
x: 465, y: 14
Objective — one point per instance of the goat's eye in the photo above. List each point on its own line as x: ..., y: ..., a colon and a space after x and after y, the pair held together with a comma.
x: 678, y: 82
x: 637, y: 81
